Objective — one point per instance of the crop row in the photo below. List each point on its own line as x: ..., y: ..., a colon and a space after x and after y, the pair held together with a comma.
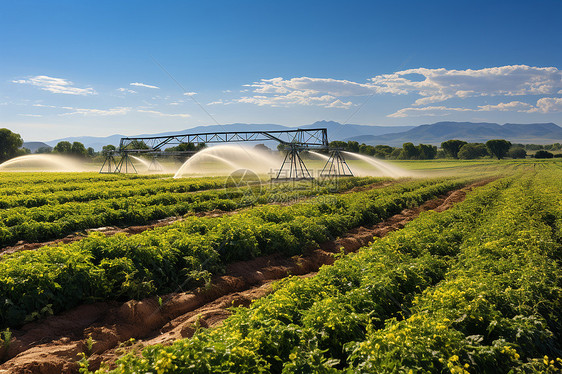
x: 45, y: 180
x: 474, y: 289
x: 87, y: 189
x: 498, y: 308
x: 55, y: 221
x: 53, y: 279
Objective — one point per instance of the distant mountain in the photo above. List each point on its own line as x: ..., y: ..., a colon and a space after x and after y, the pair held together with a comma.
x: 538, y: 133
x: 90, y: 141
x: 34, y: 146
x: 336, y: 131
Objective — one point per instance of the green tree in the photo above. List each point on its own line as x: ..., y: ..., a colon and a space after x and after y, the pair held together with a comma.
x: 471, y: 151
x: 137, y: 144
x: 543, y: 154
x: 44, y: 150
x: 366, y: 149
x: 396, y: 152
x: 517, y: 152
x: 64, y: 148
x: 498, y: 147
x: 9, y: 144
x: 452, y: 147
x: 352, y: 146
x: 441, y: 154
x: 427, y: 152
x: 78, y: 149
x: 187, y: 147
x: 338, y: 144
x: 386, y: 149
x: 409, y: 152
x: 106, y: 150
x: 91, y: 152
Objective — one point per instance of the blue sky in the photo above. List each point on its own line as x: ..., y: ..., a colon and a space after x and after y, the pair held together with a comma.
x: 71, y: 68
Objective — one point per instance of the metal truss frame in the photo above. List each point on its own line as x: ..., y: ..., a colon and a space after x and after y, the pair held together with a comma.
x: 336, y: 165
x: 302, y: 137
x: 293, y: 167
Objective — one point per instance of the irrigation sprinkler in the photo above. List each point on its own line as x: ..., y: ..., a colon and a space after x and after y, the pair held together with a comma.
x: 336, y: 166
x: 125, y: 163
x: 109, y: 164
x: 154, y: 164
x: 294, y: 141
x: 293, y: 167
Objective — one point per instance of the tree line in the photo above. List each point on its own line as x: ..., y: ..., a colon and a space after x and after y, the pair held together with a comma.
x: 454, y: 148
x: 11, y: 146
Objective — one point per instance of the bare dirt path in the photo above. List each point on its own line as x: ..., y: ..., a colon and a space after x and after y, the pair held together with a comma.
x: 53, y: 344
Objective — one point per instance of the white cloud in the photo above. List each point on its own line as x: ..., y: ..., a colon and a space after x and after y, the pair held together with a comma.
x: 45, y: 106
x: 97, y: 112
x: 306, y: 91
x: 31, y: 115
x: 56, y: 85
x: 305, y: 98
x: 548, y: 105
x: 340, y: 104
x: 430, y: 111
x: 126, y: 90
x: 431, y: 99
x: 138, y: 84
x: 190, y: 93
x: 517, y: 106
x: 430, y: 85
x: 544, y: 105
x: 439, y: 85
x: 328, y: 86
x: 160, y: 114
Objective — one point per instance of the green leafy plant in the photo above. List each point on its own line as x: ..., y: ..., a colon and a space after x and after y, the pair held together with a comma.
x: 473, y: 289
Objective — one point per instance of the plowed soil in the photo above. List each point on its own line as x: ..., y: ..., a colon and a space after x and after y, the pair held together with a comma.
x: 131, y: 230
x: 53, y: 345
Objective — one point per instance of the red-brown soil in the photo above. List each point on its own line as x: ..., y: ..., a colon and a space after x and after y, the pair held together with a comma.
x: 131, y: 230
x: 53, y: 345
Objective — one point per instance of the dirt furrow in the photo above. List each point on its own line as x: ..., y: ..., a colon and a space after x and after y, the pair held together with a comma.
x: 52, y: 345
x: 131, y: 230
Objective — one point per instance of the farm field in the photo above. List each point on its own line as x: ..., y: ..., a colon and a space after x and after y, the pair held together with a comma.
x: 51, y: 207
x: 454, y: 270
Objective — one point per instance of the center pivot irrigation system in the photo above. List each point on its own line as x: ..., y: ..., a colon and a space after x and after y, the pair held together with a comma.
x: 294, y: 142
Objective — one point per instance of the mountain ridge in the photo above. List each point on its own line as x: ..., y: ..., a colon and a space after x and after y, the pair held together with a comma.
x: 474, y: 132
x: 333, y: 127
x: 435, y: 133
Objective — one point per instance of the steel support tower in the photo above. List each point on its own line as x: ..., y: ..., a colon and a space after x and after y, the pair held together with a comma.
x: 336, y: 166
x: 294, y: 142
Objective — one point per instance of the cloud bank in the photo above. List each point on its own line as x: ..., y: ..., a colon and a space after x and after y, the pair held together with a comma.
x: 56, y: 85
x: 427, y: 86
x: 138, y: 84
x: 544, y: 106
x: 437, y: 85
x: 96, y: 112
